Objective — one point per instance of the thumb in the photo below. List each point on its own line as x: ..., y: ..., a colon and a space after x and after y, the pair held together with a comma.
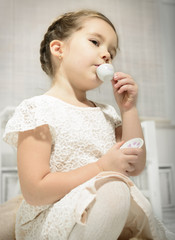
x: 119, y: 144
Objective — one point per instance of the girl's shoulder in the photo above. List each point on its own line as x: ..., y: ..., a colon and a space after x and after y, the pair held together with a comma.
x: 39, y: 106
x: 110, y: 112
x: 105, y: 107
x: 30, y: 114
x: 35, y: 102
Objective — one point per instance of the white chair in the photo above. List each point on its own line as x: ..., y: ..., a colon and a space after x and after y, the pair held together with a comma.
x: 9, y: 183
x: 148, y: 182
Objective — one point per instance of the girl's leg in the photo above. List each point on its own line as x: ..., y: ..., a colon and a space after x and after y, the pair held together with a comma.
x: 107, y: 216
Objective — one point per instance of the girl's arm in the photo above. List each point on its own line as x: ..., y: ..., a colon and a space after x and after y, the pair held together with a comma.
x: 130, y: 130
x: 125, y: 92
x: 40, y: 186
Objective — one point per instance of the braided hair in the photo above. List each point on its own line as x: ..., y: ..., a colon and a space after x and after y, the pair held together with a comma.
x: 61, y: 29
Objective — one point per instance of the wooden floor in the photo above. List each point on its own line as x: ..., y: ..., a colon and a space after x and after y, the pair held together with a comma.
x: 169, y: 219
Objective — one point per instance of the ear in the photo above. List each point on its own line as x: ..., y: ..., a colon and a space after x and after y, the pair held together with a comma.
x: 56, y: 48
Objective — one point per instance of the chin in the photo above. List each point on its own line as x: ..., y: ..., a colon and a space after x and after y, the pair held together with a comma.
x: 91, y: 82
x: 95, y: 85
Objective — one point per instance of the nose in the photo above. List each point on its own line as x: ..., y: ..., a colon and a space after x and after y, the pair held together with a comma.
x: 106, y: 57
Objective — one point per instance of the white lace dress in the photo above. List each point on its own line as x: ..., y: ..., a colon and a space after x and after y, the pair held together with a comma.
x: 79, y: 136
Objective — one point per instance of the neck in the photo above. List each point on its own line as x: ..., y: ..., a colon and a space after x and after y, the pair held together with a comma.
x: 63, y: 90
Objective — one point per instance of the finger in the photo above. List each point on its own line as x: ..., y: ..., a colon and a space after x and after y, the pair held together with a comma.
x: 124, y: 81
x: 113, y: 82
x: 120, y: 75
x: 130, y: 168
x: 131, y: 151
x: 126, y: 88
x: 132, y: 159
x: 119, y: 144
x: 126, y: 173
x: 119, y: 86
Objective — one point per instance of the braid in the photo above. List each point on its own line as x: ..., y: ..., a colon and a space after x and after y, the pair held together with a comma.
x: 55, y: 31
x: 61, y: 29
x: 45, y: 56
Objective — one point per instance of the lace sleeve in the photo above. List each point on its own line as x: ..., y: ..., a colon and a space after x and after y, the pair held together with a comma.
x: 111, y: 113
x: 27, y: 116
x: 117, y: 119
x: 115, y: 116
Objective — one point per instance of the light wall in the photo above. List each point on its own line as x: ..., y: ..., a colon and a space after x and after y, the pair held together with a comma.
x: 23, y: 24
x: 147, y: 52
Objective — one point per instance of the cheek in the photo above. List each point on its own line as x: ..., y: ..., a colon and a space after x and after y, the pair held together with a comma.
x: 79, y: 57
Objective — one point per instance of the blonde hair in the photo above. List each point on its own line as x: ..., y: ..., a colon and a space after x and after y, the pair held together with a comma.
x: 61, y: 29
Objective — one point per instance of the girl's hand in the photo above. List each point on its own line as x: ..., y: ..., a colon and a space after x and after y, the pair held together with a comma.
x: 125, y: 91
x: 120, y: 160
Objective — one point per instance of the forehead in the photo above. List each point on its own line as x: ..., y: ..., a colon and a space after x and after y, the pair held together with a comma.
x: 101, y: 27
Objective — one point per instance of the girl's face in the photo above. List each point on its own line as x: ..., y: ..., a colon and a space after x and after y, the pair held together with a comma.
x: 86, y: 49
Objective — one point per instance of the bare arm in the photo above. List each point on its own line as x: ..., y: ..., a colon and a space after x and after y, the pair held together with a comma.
x: 39, y: 186
x: 125, y: 92
x: 131, y: 128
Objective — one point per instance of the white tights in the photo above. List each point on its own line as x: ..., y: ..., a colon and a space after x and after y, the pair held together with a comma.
x: 107, y: 216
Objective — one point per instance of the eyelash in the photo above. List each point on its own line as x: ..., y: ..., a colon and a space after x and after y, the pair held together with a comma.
x: 97, y: 43
x: 111, y: 56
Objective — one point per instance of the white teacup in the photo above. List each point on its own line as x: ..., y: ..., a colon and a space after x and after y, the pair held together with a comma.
x: 105, y: 72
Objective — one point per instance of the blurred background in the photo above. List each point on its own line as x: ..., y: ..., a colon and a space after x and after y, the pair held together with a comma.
x: 147, y: 52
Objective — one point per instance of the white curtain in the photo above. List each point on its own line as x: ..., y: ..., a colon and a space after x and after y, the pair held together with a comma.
x: 23, y: 24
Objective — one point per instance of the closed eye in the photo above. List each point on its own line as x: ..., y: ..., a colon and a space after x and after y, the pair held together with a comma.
x: 95, y: 42
x: 111, y: 56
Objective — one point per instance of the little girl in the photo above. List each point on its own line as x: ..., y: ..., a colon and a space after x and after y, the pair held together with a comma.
x: 74, y: 177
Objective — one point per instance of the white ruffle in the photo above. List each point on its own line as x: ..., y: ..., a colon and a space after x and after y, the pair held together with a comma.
x: 29, y: 115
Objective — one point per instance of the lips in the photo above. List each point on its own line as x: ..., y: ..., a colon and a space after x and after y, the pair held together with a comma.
x: 97, y: 65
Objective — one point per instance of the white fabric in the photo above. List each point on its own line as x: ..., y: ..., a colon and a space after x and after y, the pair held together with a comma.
x: 79, y: 136
x: 114, y: 198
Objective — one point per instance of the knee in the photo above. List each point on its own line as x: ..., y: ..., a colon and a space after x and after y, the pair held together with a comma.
x: 115, y: 194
